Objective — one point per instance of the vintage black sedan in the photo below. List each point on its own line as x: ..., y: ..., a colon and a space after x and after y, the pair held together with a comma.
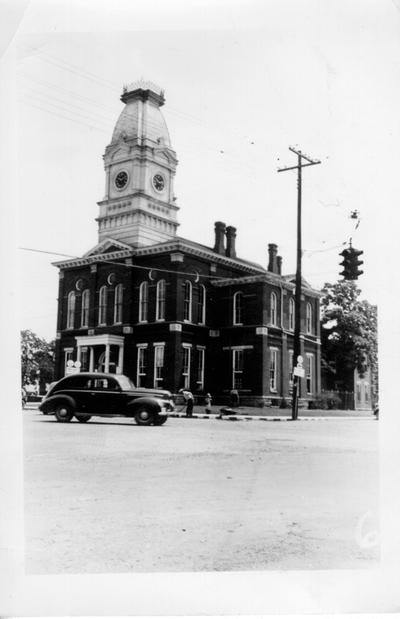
x: 85, y: 395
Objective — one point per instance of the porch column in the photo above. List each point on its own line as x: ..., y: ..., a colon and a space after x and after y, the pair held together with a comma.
x: 91, y: 360
x: 78, y: 353
x: 107, y: 359
x: 120, y: 359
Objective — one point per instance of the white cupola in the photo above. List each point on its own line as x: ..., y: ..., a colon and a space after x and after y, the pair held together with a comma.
x: 139, y: 206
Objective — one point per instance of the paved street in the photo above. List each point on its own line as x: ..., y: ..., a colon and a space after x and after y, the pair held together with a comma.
x: 200, y: 494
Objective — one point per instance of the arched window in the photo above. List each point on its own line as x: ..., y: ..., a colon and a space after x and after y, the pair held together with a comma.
x: 309, y: 317
x: 143, y: 301
x: 118, y: 296
x: 160, y: 300
x: 85, y: 308
x: 201, y: 307
x: 187, y: 302
x: 238, y: 308
x: 291, y: 314
x: 273, y: 309
x: 103, y: 305
x: 71, y: 310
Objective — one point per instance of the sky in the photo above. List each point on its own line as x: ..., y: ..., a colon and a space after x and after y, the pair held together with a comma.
x: 243, y: 81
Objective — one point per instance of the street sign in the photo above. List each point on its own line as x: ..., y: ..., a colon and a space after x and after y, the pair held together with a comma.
x: 299, y: 371
x: 73, y: 367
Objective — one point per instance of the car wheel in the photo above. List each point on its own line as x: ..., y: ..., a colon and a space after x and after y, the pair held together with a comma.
x: 83, y: 418
x: 63, y: 413
x: 144, y: 417
x: 159, y: 421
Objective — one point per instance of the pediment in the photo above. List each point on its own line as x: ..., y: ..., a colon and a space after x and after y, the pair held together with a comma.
x: 119, y: 153
x: 164, y: 153
x: 291, y: 279
x: 107, y: 246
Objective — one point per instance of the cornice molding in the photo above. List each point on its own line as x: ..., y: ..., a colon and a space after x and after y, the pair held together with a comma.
x: 266, y: 277
x: 256, y: 273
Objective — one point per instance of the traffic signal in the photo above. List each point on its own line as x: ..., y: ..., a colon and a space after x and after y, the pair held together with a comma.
x: 355, y: 263
x: 351, y: 263
x: 346, y: 264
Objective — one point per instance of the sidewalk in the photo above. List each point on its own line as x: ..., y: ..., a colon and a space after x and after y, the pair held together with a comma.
x: 272, y: 414
x: 247, y: 413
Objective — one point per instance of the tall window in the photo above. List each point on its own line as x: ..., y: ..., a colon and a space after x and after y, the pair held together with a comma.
x: 201, y: 307
x: 118, y: 293
x: 291, y: 314
x: 141, y: 370
x: 71, y: 310
x: 103, y: 305
x: 187, y: 302
x: 85, y: 308
x: 309, y: 318
x: 273, y: 369
x: 238, y: 308
x: 200, y: 367
x: 237, y: 368
x: 290, y: 372
x: 186, y: 366
x: 310, y: 373
x: 143, y: 301
x: 160, y: 300
x: 158, y: 365
x: 273, y: 309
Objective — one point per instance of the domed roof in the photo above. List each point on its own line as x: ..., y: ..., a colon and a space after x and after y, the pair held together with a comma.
x: 141, y: 116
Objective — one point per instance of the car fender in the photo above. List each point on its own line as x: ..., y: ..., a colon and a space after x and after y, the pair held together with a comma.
x: 50, y: 404
x: 150, y: 403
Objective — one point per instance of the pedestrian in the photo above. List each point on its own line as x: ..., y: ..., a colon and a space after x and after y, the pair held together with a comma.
x: 234, y: 395
x: 208, y: 401
x: 188, y: 397
x: 23, y: 396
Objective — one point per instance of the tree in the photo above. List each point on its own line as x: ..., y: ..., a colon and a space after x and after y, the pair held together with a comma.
x: 348, y: 334
x: 37, y: 359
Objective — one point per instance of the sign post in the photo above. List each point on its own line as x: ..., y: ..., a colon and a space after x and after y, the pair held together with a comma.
x: 298, y: 372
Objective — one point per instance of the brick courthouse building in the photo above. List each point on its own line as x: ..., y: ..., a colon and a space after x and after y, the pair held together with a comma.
x: 167, y: 311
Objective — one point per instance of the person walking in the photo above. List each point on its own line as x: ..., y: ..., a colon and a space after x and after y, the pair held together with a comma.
x: 208, y: 401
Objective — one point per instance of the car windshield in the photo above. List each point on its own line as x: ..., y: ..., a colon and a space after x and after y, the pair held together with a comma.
x: 125, y: 383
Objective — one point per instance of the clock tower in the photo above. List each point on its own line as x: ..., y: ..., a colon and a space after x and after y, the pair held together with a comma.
x: 139, y: 207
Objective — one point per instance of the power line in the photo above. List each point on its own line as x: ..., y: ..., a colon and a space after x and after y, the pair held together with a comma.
x: 131, y: 266
x: 66, y: 108
x: 80, y: 122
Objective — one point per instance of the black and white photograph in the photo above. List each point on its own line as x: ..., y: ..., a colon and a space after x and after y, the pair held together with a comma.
x: 199, y: 236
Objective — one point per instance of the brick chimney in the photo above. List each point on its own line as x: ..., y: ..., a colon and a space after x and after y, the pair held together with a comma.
x: 279, y: 264
x: 219, y: 246
x: 273, y: 263
x: 230, y: 242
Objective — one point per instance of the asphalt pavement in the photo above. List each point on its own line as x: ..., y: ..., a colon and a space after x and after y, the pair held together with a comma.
x: 196, y: 495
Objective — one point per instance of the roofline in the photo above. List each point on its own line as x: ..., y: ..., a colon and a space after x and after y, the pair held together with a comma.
x: 267, y: 277
x: 176, y: 244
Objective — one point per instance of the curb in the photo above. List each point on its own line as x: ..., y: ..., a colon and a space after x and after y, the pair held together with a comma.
x: 259, y: 418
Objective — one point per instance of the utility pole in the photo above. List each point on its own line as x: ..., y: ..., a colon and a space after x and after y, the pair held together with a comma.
x: 303, y: 161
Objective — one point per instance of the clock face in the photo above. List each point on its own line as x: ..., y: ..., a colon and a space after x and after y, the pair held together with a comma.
x: 158, y: 182
x: 121, y: 179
